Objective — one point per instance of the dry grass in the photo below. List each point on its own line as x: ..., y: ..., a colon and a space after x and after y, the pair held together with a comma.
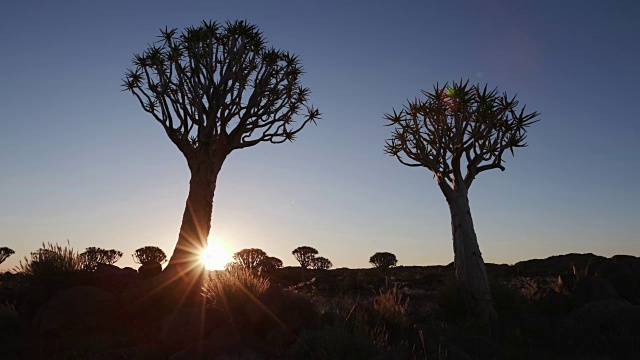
x: 392, y: 306
x: 236, y: 286
x: 50, y: 260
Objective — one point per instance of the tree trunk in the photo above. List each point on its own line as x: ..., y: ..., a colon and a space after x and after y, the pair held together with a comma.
x: 471, y: 272
x: 184, y: 274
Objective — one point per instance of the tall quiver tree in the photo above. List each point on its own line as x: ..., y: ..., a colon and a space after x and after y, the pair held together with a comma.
x: 458, y: 132
x: 215, y: 88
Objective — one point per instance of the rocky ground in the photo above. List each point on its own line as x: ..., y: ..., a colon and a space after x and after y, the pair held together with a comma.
x: 575, y: 306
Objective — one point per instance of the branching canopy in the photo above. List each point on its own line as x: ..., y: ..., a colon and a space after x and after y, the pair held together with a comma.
x: 220, y: 87
x: 458, y: 125
x: 249, y: 258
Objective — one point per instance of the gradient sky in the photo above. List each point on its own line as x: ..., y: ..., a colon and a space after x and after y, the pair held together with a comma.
x: 79, y: 159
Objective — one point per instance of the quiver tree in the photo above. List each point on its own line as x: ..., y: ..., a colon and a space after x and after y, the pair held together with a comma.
x: 216, y: 88
x: 147, y: 254
x: 383, y: 260
x: 458, y: 132
x: 249, y: 258
x: 304, y: 255
x: 321, y: 263
x: 5, y: 252
x: 94, y: 255
x: 269, y: 264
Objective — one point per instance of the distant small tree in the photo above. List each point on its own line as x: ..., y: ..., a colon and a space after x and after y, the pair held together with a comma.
x: 94, y: 255
x: 148, y: 254
x: 321, y: 263
x: 249, y: 258
x: 5, y: 252
x: 304, y: 255
x: 383, y: 260
x: 269, y: 264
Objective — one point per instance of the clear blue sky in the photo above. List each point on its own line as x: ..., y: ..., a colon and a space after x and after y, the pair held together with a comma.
x: 80, y: 160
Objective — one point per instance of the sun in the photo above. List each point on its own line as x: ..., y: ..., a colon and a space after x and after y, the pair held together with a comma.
x: 215, y: 256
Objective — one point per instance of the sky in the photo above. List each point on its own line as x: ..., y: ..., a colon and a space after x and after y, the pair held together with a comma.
x: 81, y: 162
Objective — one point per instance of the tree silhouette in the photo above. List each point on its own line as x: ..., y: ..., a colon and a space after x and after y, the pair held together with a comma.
x: 383, y: 260
x: 460, y: 127
x: 304, y: 255
x: 148, y: 254
x: 94, y: 255
x: 215, y: 88
x: 269, y: 264
x: 249, y: 258
x: 5, y: 252
x: 321, y: 263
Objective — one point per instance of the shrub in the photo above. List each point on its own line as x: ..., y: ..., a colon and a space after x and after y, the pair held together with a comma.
x: 383, y: 260
x: 449, y: 299
x: 249, y: 258
x: 304, y: 255
x: 148, y: 254
x: 269, y: 264
x: 392, y: 307
x: 228, y: 288
x: 94, y: 255
x: 321, y: 263
x: 50, y: 261
x: 5, y: 252
x: 334, y: 343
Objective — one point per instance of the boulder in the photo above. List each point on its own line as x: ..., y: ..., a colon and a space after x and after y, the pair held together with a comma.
x: 113, y: 278
x: 150, y: 269
x: 79, y: 316
x: 189, y: 325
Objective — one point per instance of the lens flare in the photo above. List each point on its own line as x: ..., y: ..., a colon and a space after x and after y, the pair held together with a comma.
x: 215, y: 256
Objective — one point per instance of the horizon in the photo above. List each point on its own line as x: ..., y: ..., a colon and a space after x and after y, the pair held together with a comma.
x: 82, y: 162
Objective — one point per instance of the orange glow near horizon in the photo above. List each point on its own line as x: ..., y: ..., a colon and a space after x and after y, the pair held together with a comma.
x: 216, y: 255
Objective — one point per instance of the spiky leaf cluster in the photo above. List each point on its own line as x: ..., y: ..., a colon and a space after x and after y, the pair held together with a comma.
x: 94, y: 255
x: 456, y: 126
x: 219, y: 86
x: 148, y: 254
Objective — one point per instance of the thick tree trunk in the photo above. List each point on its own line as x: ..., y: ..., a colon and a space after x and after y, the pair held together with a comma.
x: 184, y: 274
x: 471, y: 272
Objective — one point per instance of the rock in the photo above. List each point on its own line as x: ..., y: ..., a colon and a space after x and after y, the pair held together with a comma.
x: 552, y: 302
x: 79, y: 316
x: 150, y: 269
x: 187, y: 326
x: 592, y: 288
x: 479, y: 348
x: 113, y: 278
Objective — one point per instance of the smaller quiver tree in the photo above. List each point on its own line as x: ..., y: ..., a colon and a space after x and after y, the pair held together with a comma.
x: 304, y: 255
x: 92, y: 256
x: 321, y: 263
x: 383, y: 260
x: 148, y: 254
x: 5, y: 252
x: 249, y: 258
x: 269, y: 264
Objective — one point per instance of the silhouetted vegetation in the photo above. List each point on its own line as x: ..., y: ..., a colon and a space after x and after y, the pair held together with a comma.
x: 458, y: 132
x: 149, y: 254
x: 5, y: 252
x: 383, y: 260
x: 249, y: 258
x: 233, y: 287
x: 52, y: 260
x: 304, y: 255
x: 320, y: 263
x: 94, y: 255
x: 269, y: 264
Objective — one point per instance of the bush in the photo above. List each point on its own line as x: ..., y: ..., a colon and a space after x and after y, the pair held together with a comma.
x: 602, y: 329
x: 392, y: 307
x: 223, y: 289
x: 321, y: 263
x: 51, y: 261
x: 334, y: 343
x: 249, y: 258
x: 148, y: 254
x: 383, y: 260
x: 449, y: 299
x: 94, y: 255
x: 269, y: 264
